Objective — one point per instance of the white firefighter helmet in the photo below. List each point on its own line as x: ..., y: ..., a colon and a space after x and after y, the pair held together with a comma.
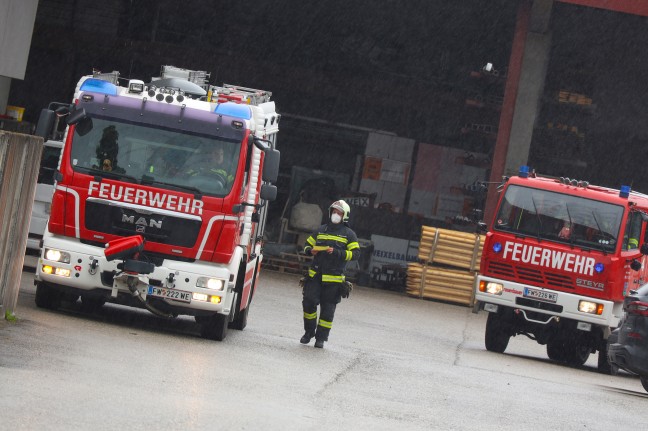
x: 343, y: 207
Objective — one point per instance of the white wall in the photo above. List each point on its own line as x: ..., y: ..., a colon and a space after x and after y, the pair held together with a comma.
x: 16, y: 28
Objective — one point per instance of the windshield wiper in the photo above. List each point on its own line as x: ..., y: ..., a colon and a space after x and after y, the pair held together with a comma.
x: 571, y: 226
x: 108, y: 174
x: 598, y: 226
x: 537, y: 215
x: 150, y: 181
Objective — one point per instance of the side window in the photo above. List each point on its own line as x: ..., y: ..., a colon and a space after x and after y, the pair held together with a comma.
x: 632, y: 232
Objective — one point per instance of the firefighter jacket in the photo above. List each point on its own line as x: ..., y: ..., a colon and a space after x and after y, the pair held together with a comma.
x: 205, y: 170
x: 345, y: 249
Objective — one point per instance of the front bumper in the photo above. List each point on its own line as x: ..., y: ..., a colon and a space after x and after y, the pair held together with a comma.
x: 90, y: 272
x: 565, y: 305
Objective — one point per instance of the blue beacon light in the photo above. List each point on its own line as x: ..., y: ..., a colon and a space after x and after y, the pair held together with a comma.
x: 624, y: 192
x: 99, y: 86
x: 599, y: 267
x: 497, y: 247
x: 524, y: 171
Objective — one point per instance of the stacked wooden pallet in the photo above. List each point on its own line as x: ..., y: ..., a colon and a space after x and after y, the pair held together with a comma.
x: 449, y: 261
x: 287, y: 262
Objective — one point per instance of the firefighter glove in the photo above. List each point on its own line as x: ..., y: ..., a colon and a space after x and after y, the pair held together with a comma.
x: 346, y: 289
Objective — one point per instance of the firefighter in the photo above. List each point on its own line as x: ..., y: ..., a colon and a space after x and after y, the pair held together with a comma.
x: 332, y: 246
x: 214, y: 165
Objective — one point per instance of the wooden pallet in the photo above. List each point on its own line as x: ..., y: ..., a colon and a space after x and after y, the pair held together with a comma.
x: 288, y: 263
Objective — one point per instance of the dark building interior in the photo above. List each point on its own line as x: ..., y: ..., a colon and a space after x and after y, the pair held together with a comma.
x: 338, y: 70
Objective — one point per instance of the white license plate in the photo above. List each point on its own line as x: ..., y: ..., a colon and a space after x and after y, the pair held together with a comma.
x: 542, y: 295
x: 162, y: 292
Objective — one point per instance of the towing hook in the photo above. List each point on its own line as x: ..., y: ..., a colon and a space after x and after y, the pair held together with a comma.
x: 94, y: 263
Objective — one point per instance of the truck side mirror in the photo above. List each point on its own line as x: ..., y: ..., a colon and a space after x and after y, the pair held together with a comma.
x: 644, y: 248
x: 268, y: 192
x: 482, y: 227
x: 271, y: 165
x: 81, y: 120
x: 45, y: 124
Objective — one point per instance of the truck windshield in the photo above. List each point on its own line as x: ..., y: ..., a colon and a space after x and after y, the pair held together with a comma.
x: 560, y: 217
x: 156, y: 156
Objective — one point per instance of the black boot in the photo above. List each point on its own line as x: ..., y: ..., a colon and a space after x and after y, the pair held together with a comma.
x: 319, y: 344
x: 305, y: 339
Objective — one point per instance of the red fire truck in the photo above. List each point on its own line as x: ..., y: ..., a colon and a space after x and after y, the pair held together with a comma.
x: 558, y: 259
x: 161, y: 198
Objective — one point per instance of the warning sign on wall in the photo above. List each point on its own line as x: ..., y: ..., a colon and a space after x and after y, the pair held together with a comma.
x: 372, y: 168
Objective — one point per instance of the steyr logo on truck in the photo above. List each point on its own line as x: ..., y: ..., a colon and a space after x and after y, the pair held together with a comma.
x: 546, y: 258
x: 144, y: 197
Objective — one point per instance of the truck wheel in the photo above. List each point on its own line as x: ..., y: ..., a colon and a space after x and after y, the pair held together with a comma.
x: 556, y: 351
x: 91, y: 304
x: 497, y: 333
x: 215, y: 328
x: 577, y: 354
x: 47, y: 297
x: 644, y: 382
x: 240, y: 321
x: 604, y: 365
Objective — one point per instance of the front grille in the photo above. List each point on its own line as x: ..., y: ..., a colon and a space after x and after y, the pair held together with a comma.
x: 536, y: 276
x: 539, y: 304
x: 146, y: 256
x: 160, y: 228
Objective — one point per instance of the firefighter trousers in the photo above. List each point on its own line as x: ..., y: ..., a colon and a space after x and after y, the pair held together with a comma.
x: 327, y: 296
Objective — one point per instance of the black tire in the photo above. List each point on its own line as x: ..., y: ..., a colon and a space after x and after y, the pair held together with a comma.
x: 604, y: 366
x: 644, y: 382
x: 92, y: 303
x: 497, y: 334
x: 47, y: 297
x: 576, y: 354
x: 240, y: 320
x: 556, y: 351
x: 201, y: 319
x: 215, y: 328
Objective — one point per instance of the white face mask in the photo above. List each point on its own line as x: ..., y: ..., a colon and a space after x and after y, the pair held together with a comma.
x: 336, y: 218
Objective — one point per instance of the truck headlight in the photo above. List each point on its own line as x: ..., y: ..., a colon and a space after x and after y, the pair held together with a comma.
x: 590, y: 307
x: 57, y: 255
x: 491, y: 287
x: 210, y: 283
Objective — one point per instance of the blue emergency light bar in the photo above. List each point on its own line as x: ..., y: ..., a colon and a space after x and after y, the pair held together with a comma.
x: 232, y: 109
x: 99, y: 86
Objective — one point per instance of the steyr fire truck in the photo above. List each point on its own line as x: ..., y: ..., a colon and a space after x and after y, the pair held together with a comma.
x: 161, y: 198
x: 558, y: 259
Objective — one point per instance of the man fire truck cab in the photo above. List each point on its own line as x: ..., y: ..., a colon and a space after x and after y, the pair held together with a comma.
x: 133, y: 221
x: 558, y: 259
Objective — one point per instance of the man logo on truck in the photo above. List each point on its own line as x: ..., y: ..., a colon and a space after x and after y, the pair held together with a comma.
x: 141, y: 222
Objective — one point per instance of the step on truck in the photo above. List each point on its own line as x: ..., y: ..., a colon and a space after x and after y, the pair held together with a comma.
x: 558, y: 259
x: 161, y: 197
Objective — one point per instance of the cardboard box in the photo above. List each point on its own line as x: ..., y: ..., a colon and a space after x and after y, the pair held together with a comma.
x: 15, y: 112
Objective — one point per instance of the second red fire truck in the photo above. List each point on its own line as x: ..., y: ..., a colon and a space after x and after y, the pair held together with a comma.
x: 161, y: 197
x: 558, y: 259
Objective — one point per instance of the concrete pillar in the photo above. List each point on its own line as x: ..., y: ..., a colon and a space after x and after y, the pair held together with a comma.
x: 19, y: 162
x: 5, y: 85
x: 524, y: 86
x: 532, y: 79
